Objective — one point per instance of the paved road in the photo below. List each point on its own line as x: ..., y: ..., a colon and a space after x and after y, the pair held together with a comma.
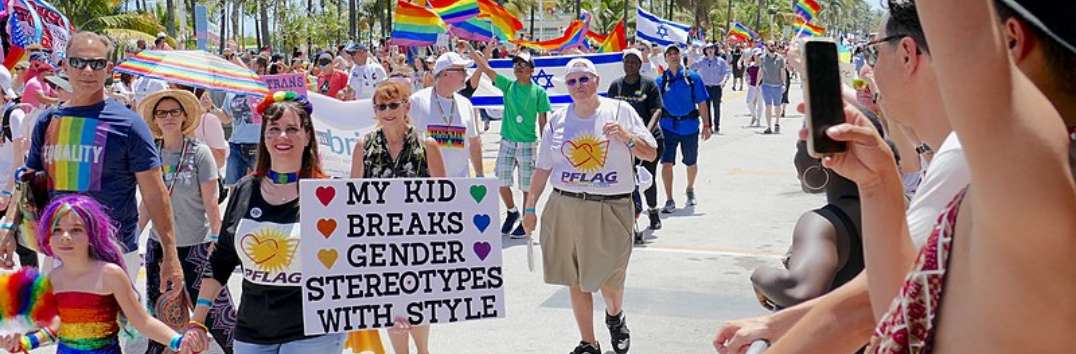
x: 688, y: 278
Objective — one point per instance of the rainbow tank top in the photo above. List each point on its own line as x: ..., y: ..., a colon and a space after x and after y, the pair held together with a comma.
x: 88, y: 323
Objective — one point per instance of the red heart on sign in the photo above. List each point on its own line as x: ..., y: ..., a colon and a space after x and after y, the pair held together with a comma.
x: 326, y: 227
x: 325, y: 194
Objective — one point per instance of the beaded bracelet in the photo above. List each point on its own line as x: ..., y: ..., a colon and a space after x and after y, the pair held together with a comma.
x: 203, y: 302
x: 176, y: 342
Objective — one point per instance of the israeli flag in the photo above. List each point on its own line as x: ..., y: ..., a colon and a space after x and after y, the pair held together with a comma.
x: 659, y: 31
x: 549, y: 74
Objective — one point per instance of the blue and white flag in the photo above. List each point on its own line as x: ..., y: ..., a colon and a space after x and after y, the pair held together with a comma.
x: 549, y: 75
x: 659, y: 31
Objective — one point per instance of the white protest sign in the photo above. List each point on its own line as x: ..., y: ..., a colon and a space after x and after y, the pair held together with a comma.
x: 377, y: 250
x: 338, y: 126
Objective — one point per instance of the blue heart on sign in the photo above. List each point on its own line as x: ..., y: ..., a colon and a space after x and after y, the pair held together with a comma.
x: 481, y: 222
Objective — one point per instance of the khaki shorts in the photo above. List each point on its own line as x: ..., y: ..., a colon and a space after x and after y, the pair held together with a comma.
x: 586, y: 244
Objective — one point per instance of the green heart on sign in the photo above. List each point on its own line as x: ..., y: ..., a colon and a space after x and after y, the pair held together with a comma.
x: 478, y: 192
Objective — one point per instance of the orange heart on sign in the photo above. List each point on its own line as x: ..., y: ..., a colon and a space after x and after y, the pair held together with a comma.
x: 327, y: 257
x: 326, y: 227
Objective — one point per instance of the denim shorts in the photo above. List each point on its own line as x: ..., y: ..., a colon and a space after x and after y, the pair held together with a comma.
x: 771, y: 94
x: 689, y: 146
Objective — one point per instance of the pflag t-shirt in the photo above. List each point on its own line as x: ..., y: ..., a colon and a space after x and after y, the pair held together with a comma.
x: 451, y: 123
x: 582, y: 158
x: 96, y: 150
x: 522, y: 103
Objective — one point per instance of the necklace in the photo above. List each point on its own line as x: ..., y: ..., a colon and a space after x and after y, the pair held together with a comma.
x: 446, y: 117
x: 282, y: 178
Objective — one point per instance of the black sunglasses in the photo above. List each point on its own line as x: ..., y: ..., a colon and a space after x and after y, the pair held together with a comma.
x: 82, y: 63
x: 573, y: 82
x: 872, y: 52
x: 387, y: 106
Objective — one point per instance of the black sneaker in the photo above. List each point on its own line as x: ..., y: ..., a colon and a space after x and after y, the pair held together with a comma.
x: 509, y: 222
x: 618, y: 331
x: 655, y: 219
x: 587, y: 348
x: 767, y: 131
x: 691, y: 198
x: 670, y: 206
x: 519, y: 233
x: 639, y: 238
x: 777, y: 129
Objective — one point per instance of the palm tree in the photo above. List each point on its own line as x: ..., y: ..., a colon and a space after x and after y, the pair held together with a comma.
x: 106, y: 17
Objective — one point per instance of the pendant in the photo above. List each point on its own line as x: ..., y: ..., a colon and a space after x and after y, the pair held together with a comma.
x: 519, y: 119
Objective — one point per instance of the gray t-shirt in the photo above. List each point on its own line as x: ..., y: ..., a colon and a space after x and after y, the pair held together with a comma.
x: 773, y: 70
x: 191, y: 223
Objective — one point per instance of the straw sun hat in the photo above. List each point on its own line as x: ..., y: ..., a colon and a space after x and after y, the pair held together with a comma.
x: 187, y: 101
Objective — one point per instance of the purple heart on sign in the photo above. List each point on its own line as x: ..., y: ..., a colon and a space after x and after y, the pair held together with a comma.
x: 481, y: 249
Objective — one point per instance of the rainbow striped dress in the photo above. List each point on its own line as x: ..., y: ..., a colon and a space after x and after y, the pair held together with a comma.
x: 88, y: 323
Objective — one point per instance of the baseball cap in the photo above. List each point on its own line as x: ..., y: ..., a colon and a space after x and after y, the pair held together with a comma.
x: 1053, y: 18
x: 448, y: 60
x: 672, y: 47
x: 525, y: 57
x: 5, y: 83
x: 581, y: 65
x: 633, y: 51
x: 325, y: 59
x: 354, y: 47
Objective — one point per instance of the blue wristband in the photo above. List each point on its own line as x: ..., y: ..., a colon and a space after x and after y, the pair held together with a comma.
x: 7, y: 226
x: 204, y: 302
x: 213, y: 237
x: 5, y: 194
x: 530, y: 211
x: 176, y: 342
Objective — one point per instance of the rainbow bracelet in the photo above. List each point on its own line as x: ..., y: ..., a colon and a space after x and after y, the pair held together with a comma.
x: 176, y: 342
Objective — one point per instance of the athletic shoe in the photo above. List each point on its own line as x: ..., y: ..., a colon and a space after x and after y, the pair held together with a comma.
x: 509, y: 222
x: 670, y: 206
x: 618, y: 331
x: 767, y: 131
x: 777, y: 129
x: 639, y: 238
x: 587, y: 348
x: 519, y: 233
x: 655, y: 219
x: 691, y: 198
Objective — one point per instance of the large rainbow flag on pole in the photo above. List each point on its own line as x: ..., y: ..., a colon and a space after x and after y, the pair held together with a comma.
x: 741, y: 32
x: 573, y: 37
x: 415, y: 25
x: 455, y: 11
x: 505, y: 25
x: 615, y: 41
x: 807, y: 9
x: 805, y: 28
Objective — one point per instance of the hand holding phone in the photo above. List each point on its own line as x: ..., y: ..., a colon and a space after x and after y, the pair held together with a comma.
x: 822, y: 87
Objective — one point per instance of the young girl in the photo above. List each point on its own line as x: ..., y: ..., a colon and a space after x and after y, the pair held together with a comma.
x: 91, y: 286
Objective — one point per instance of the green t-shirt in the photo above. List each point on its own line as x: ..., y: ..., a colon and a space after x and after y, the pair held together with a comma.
x: 522, y: 103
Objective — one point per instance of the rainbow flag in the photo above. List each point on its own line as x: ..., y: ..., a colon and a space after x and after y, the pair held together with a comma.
x: 455, y: 11
x: 415, y: 25
x: 738, y: 30
x: 807, y: 9
x: 807, y: 29
x: 573, y: 37
x: 615, y: 41
x: 505, y: 25
x: 474, y: 29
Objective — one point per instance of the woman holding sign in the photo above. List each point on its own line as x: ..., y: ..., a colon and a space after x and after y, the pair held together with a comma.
x: 261, y: 233
x: 588, y: 149
x: 395, y: 150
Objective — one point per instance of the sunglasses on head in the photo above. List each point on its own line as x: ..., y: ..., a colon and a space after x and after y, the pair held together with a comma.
x: 388, y: 106
x: 82, y: 63
x: 580, y: 81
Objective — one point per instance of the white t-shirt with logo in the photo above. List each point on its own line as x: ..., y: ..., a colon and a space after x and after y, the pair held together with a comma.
x: 451, y: 123
x: 582, y: 159
x: 364, y: 78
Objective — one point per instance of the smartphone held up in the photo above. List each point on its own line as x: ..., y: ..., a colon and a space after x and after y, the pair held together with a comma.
x: 822, y: 86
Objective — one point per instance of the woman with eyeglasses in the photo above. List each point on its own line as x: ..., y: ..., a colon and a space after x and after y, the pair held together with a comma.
x: 190, y: 173
x: 587, y: 153
x: 396, y: 150
x: 265, y: 206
